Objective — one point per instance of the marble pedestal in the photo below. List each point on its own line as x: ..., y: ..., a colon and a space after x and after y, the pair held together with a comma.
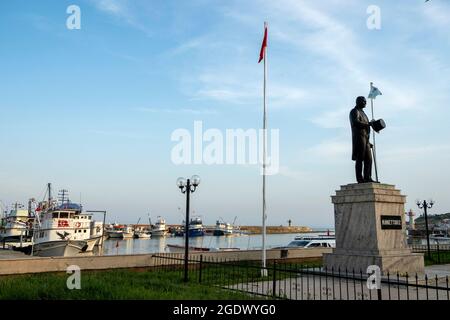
x: 370, y: 230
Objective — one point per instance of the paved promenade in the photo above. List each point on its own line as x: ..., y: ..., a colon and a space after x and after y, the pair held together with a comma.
x: 321, y: 287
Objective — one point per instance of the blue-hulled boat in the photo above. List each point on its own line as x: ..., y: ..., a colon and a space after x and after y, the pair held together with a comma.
x: 196, y: 228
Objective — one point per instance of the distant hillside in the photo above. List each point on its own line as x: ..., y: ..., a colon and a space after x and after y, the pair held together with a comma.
x: 432, y: 219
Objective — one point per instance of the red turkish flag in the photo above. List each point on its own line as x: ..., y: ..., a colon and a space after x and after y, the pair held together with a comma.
x: 262, y: 53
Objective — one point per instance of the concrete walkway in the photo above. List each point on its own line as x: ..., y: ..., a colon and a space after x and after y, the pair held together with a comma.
x: 327, y: 287
x: 441, y: 270
x: 10, y: 254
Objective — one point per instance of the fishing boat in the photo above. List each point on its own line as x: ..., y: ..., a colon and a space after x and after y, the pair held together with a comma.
x: 196, y: 228
x: 142, y: 235
x: 120, y: 231
x: 223, y: 228
x: 62, y: 229
x: 159, y: 229
x: 15, y: 226
x: 141, y: 231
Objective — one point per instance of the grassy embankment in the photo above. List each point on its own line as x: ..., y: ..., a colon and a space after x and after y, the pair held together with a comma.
x: 443, y: 257
x: 110, y: 285
x: 127, y: 284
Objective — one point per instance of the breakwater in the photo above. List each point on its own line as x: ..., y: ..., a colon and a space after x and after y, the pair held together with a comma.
x: 276, y: 229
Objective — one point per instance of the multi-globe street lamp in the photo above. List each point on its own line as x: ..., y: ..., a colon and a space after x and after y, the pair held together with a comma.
x: 426, y: 205
x: 187, y: 186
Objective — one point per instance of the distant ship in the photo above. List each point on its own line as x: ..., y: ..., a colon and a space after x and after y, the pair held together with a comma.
x: 120, y: 231
x: 159, y: 229
x: 196, y: 228
x: 223, y: 229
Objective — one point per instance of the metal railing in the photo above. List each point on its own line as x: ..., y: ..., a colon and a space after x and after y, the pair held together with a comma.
x: 282, y: 280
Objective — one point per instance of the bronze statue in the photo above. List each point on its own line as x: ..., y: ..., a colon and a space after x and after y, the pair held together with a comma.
x: 360, y: 137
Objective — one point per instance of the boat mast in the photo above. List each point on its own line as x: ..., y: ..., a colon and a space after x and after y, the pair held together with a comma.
x: 49, y: 190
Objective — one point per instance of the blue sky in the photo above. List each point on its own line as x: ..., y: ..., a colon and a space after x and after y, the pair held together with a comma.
x: 92, y: 110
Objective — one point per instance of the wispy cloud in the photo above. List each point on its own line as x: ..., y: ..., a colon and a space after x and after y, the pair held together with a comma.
x: 122, y: 10
x: 326, y: 36
x: 437, y: 13
x: 118, y: 8
x: 191, y: 44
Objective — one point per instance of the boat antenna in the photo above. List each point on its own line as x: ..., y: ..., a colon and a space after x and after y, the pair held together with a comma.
x: 30, y: 206
x: 62, y: 195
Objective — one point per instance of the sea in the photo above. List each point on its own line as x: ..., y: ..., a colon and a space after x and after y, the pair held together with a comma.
x: 241, y: 241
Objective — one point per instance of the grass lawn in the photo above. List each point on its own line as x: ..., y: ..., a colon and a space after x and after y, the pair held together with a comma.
x: 442, y: 258
x: 112, y: 285
x: 125, y: 284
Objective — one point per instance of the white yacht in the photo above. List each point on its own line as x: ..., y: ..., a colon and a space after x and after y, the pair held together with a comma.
x: 159, y: 229
x: 312, y: 242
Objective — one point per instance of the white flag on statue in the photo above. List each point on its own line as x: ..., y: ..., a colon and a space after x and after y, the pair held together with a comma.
x: 374, y: 92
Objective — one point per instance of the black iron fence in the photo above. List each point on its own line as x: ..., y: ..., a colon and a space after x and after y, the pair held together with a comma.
x: 282, y: 280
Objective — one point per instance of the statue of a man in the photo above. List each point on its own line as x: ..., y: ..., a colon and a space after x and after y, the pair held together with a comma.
x: 360, y: 137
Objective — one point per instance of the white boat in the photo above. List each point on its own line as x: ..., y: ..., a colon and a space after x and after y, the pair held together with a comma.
x: 159, y: 229
x: 97, y: 231
x: 120, y: 231
x: 141, y: 231
x: 59, y: 248
x: 62, y: 230
x: 16, y: 225
x: 92, y: 242
x: 312, y: 242
x: 223, y: 229
x: 440, y: 237
x: 142, y: 234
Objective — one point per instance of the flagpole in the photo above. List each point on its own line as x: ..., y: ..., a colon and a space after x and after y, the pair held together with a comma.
x: 264, y: 270
x: 374, y: 150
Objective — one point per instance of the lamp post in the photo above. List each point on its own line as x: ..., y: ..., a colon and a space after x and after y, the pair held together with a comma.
x: 426, y: 205
x: 187, y: 186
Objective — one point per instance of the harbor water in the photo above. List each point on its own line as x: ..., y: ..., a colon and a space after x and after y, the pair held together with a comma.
x: 155, y: 245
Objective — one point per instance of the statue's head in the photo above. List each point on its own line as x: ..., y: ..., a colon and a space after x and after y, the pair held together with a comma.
x: 361, y: 102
